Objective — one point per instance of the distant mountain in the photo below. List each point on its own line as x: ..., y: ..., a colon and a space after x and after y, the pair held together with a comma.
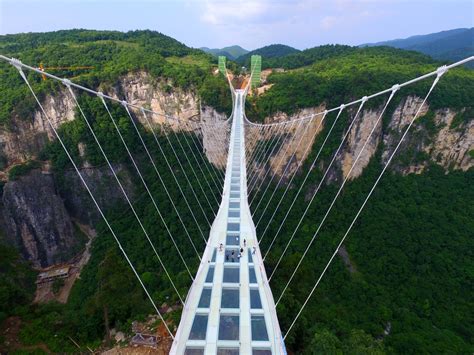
x: 307, y: 57
x: 446, y: 45
x: 271, y: 51
x: 231, y: 52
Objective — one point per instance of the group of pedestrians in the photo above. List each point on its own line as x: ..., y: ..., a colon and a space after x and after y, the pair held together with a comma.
x: 234, y: 254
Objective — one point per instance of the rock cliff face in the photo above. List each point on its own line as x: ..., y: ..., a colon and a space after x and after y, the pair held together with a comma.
x: 299, y: 138
x: 25, y: 137
x: 296, y: 140
x: 215, y: 134
x: 444, y: 145
x: 38, y: 208
x: 37, y: 221
x: 441, y: 144
x: 38, y: 214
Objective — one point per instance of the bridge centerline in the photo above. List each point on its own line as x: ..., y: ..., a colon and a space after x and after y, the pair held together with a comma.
x: 230, y: 305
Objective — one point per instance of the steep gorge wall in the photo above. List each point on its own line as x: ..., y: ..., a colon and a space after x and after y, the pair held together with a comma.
x: 39, y: 208
x: 36, y: 220
x: 442, y: 144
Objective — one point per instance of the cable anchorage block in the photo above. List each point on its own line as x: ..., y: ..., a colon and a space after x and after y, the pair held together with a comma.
x: 395, y: 87
x: 124, y: 103
x: 364, y: 99
x: 441, y: 70
x: 100, y: 94
x: 342, y: 107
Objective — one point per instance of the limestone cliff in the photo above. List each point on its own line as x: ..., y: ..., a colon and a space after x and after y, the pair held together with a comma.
x: 37, y: 221
x: 442, y: 144
x: 38, y: 208
x: 25, y: 137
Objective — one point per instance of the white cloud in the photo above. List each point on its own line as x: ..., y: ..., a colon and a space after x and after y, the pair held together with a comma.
x: 218, y: 12
x: 328, y: 22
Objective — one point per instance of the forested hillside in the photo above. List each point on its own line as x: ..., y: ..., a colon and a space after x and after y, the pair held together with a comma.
x: 231, y: 52
x: 404, y: 286
x: 111, y: 54
x: 408, y: 286
x: 446, y: 45
x: 267, y: 52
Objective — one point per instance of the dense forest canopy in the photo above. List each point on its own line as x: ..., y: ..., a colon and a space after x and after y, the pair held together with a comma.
x: 411, y: 249
x: 340, y: 74
x: 111, y: 54
x: 267, y: 52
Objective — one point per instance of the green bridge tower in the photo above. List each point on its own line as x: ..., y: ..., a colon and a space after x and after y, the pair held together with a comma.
x: 256, y: 69
x: 222, y: 64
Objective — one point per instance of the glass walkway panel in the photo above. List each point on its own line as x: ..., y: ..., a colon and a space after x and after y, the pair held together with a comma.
x: 230, y: 308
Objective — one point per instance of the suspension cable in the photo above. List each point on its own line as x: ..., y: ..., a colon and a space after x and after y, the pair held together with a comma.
x: 66, y: 82
x: 150, y: 127
x: 165, y: 134
x: 221, y: 142
x: 300, y: 164
x: 146, y: 186
x: 259, y: 151
x: 292, y: 140
x: 308, y: 173
x: 274, y: 151
x: 252, y: 161
x: 256, y: 185
x: 440, y: 72
x: 215, y: 174
x: 395, y: 89
x: 318, y: 187
x: 308, y: 124
x: 211, y: 189
x: 250, y: 143
x: 193, y: 171
x: 17, y: 65
x: 270, y: 139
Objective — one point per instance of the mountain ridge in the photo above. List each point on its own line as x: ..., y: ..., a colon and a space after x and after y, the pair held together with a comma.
x: 445, y: 45
x: 232, y: 52
x: 270, y: 51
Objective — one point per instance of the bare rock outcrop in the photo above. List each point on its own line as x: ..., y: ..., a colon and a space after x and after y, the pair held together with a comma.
x: 444, y: 145
x: 25, y: 137
x: 295, y: 142
x: 103, y: 186
x: 356, y: 139
x: 142, y: 89
x: 37, y: 221
x: 215, y: 134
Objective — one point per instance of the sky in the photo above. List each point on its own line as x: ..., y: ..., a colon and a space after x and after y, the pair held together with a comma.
x: 248, y: 23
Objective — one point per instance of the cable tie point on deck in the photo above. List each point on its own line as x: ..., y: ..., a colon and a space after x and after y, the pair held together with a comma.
x: 67, y: 82
x: 124, y: 103
x: 342, y: 106
x: 100, y: 94
x: 364, y: 99
x: 396, y: 87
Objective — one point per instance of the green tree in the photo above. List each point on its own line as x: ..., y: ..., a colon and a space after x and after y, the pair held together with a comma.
x: 116, y: 291
x: 362, y: 343
x: 325, y: 342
